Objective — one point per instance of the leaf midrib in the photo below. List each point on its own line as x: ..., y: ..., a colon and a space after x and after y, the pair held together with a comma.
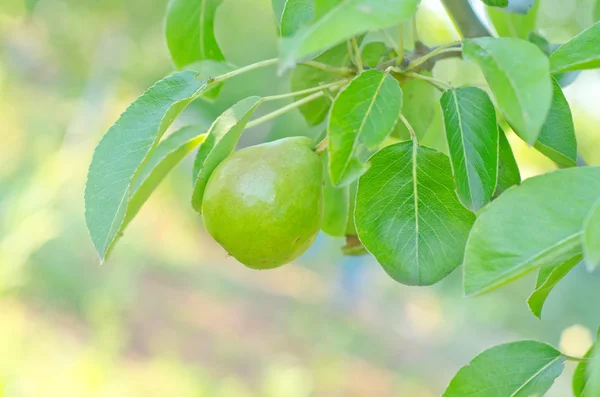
x: 538, y: 373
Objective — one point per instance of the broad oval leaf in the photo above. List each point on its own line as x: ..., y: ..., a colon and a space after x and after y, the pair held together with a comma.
x: 408, y: 216
x: 363, y: 115
x: 518, y: 74
x: 296, y: 14
x: 190, y: 31
x: 335, y: 205
x: 548, y: 276
x: 508, y: 169
x: 531, y: 225
x: 169, y: 152
x: 557, y: 140
x: 580, y: 53
x: 591, y: 237
x: 336, y: 21
x: 304, y: 77
x: 220, y: 142
x: 507, y: 23
x: 125, y: 147
x: 472, y: 134
x: 518, y: 369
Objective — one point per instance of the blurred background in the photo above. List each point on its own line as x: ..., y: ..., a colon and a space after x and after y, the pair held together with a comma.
x: 170, y: 314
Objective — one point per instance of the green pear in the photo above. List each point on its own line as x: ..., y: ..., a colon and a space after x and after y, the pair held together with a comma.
x: 264, y: 203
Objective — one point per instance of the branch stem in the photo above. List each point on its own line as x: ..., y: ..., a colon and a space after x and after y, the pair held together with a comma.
x: 242, y: 70
x: 445, y: 48
x: 465, y: 19
x: 358, y: 58
x: 576, y: 359
x: 285, y: 109
x: 328, y: 68
x: 333, y: 85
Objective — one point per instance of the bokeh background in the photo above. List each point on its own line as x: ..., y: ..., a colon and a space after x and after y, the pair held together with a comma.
x: 170, y: 314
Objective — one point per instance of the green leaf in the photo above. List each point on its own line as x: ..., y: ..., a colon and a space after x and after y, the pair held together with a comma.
x: 351, y: 226
x: 597, y: 12
x: 591, y: 237
x: 548, y: 277
x: 496, y: 3
x: 373, y: 53
x: 296, y: 14
x: 335, y: 205
x: 190, y: 31
x: 518, y: 74
x: 580, y: 53
x: 420, y: 105
x: 304, y: 77
x: 518, y: 369
x: 508, y: 169
x: 408, y: 216
x: 592, y: 385
x: 338, y: 20
x: 583, y: 371
x: 563, y: 79
x: 472, y: 134
x: 508, y: 24
x: 169, y: 152
x: 208, y: 69
x: 557, y: 140
x: 220, y: 142
x: 362, y: 116
x: 531, y: 225
x: 124, y: 149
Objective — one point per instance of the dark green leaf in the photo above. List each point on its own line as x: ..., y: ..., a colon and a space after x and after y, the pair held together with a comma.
x: 509, y: 24
x: 190, y: 31
x: 372, y: 53
x: 124, y: 149
x: 335, y: 205
x: 591, y: 237
x: 531, y: 225
x: 420, y: 105
x: 304, y: 77
x: 496, y: 3
x: 336, y: 21
x: 472, y: 134
x: 518, y: 369
x: 169, y: 152
x: 363, y: 115
x: 408, y: 216
x: 518, y: 74
x: 548, y: 276
x: 220, y: 142
x: 557, y: 140
x: 508, y: 169
x: 296, y: 14
x: 581, y: 52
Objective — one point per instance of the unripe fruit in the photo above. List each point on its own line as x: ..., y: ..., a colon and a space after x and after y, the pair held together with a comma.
x: 263, y: 204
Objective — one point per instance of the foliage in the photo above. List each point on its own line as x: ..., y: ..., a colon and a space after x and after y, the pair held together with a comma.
x: 419, y: 212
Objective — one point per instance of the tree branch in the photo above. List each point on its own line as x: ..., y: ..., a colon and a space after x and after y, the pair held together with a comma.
x: 465, y: 19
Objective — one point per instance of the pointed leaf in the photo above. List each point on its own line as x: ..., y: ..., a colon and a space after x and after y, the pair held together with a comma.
x: 304, y: 77
x: 296, y: 14
x: 190, y: 31
x: 472, y: 134
x: 335, y: 205
x: 362, y: 116
x: 169, y: 152
x: 508, y: 169
x: 580, y: 53
x: 591, y: 237
x: 336, y: 21
x: 408, y: 216
x: 518, y: 75
x: 220, y: 142
x: 557, y: 140
x: 548, y: 277
x: 124, y: 149
x: 531, y: 225
x: 518, y: 369
x: 511, y: 24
